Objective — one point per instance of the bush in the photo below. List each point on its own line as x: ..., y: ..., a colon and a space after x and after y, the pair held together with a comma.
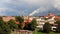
x: 4, y: 28
x: 58, y: 26
x: 47, y: 27
x: 31, y: 25
x: 12, y: 25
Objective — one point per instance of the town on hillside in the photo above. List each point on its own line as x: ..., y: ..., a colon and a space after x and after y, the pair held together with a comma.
x: 40, y: 21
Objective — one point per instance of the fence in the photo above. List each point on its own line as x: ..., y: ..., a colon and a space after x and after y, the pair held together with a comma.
x: 22, y: 32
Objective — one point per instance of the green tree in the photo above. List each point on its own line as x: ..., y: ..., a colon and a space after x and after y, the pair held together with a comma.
x: 47, y: 27
x: 4, y: 28
x: 58, y: 26
x: 20, y: 20
x: 31, y: 25
x: 12, y: 25
x: 28, y: 26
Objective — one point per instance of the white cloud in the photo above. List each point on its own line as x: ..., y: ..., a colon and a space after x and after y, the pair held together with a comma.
x: 56, y: 4
x: 47, y: 5
x: 3, y: 11
x: 40, y: 10
x: 44, y: 5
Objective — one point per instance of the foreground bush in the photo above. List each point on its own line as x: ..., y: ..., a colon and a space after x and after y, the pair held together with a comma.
x: 47, y: 27
x: 4, y: 28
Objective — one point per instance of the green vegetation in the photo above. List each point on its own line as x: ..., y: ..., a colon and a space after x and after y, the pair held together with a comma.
x: 27, y: 26
x: 20, y: 20
x: 12, y: 25
x: 31, y: 26
x: 47, y: 28
x: 58, y: 26
x: 43, y: 33
x: 4, y: 28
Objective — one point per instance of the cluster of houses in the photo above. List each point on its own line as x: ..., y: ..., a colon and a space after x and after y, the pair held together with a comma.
x: 41, y: 20
x: 50, y: 18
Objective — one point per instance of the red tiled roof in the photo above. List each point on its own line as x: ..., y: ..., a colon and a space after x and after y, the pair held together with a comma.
x: 49, y: 15
x: 57, y: 18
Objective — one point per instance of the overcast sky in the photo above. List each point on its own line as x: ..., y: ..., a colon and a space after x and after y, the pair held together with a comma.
x: 27, y: 7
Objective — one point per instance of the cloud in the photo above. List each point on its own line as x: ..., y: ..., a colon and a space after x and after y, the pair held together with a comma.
x: 47, y: 5
x: 56, y: 4
x: 41, y: 9
x: 27, y: 7
x: 44, y: 6
x: 7, y: 7
x: 4, y: 11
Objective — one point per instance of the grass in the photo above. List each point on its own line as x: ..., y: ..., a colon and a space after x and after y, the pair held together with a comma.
x: 53, y: 33
x: 36, y: 32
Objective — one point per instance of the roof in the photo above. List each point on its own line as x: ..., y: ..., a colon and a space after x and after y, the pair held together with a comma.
x: 57, y: 18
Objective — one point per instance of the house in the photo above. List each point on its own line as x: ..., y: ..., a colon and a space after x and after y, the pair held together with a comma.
x: 57, y: 18
x: 50, y: 18
x: 40, y: 22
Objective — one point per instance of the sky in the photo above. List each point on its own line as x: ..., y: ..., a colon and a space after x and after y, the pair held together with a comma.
x: 28, y: 7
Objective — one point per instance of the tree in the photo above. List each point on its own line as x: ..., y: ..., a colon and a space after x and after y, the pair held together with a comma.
x: 27, y: 26
x: 20, y: 20
x: 4, y: 28
x: 47, y: 27
x: 31, y: 25
x: 58, y: 26
x: 12, y: 25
